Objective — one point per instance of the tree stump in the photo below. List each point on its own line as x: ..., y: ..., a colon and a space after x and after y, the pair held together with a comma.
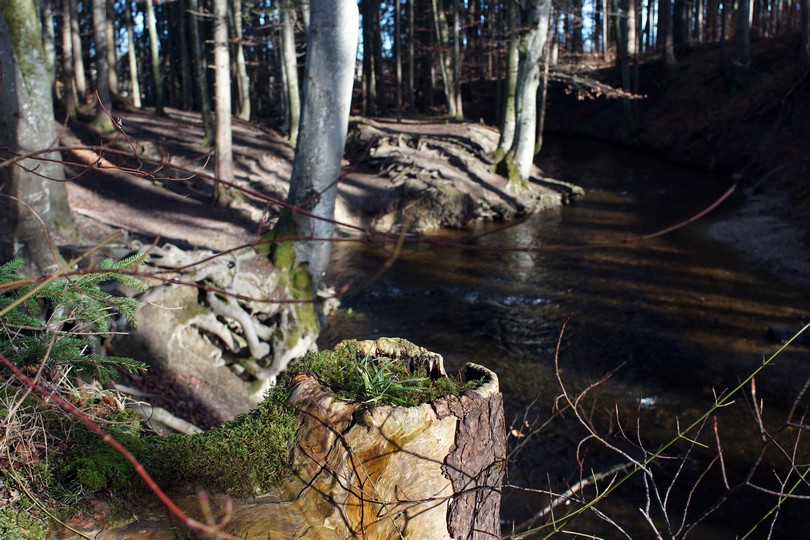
x: 432, y: 471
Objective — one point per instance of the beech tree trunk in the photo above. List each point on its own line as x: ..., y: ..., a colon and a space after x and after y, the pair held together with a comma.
x: 290, y: 65
x: 112, y: 58
x: 154, y: 54
x: 223, y: 194
x: 512, y: 66
x: 71, y: 95
x: 520, y: 158
x: 331, y: 50
x: 135, y: 85
x: 78, y: 56
x: 242, y: 79
x: 200, y: 80
x: 104, y: 105
x: 33, y: 201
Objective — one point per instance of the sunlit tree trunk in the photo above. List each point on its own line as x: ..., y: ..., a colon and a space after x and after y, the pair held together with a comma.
x: 519, y: 159
x: 605, y: 28
x: 78, y: 56
x: 223, y: 195
x: 102, y: 121
x: 242, y: 79
x: 71, y: 96
x: 33, y: 201
x: 632, y: 29
x: 446, y: 61
x: 132, y: 57
x: 200, y: 80
x: 331, y: 50
x: 512, y: 64
x: 154, y: 55
x: 112, y: 58
x: 290, y: 64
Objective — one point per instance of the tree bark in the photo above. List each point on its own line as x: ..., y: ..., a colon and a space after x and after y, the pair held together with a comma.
x: 70, y: 96
x: 223, y: 194
x: 154, y: 55
x: 331, y: 50
x: 33, y: 202
x: 102, y: 121
x: 520, y: 158
x: 135, y: 85
x: 446, y: 63
x: 242, y: 79
x: 78, y: 56
x: 112, y: 58
x: 742, y: 39
x: 200, y: 80
x: 290, y: 63
x: 665, y: 40
x: 512, y: 66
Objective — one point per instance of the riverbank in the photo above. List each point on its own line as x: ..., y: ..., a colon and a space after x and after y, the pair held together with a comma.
x: 696, y: 112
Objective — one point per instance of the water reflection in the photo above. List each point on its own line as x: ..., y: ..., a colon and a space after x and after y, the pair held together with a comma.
x: 679, y: 317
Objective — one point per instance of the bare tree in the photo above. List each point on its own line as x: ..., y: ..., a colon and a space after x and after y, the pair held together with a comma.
x: 102, y: 120
x: 154, y: 54
x: 33, y: 201
x: 331, y: 50
x: 290, y: 66
x: 223, y: 195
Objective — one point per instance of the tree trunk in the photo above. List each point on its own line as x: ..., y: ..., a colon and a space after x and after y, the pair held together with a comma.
x: 742, y: 39
x: 102, y: 121
x: 112, y: 58
x: 33, y: 202
x: 398, y: 56
x: 512, y: 65
x: 200, y: 80
x: 154, y: 55
x: 411, y: 57
x: 185, y: 61
x: 520, y: 158
x: 49, y: 38
x: 445, y: 61
x: 135, y: 85
x: 242, y: 79
x: 78, y: 56
x: 223, y: 194
x: 290, y: 62
x: 665, y: 41
x: 680, y: 26
x: 331, y: 51
x: 70, y: 96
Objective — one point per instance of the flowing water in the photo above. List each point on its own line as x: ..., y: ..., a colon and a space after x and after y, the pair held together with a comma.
x: 675, y: 320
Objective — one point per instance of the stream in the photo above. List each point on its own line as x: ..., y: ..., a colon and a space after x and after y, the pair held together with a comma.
x: 674, y: 320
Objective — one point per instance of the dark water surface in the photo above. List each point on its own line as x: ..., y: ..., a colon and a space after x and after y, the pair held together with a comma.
x: 678, y: 318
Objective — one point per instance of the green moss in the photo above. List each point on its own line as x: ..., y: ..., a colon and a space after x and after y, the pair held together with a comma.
x: 350, y: 374
x: 241, y: 457
x: 20, y: 525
